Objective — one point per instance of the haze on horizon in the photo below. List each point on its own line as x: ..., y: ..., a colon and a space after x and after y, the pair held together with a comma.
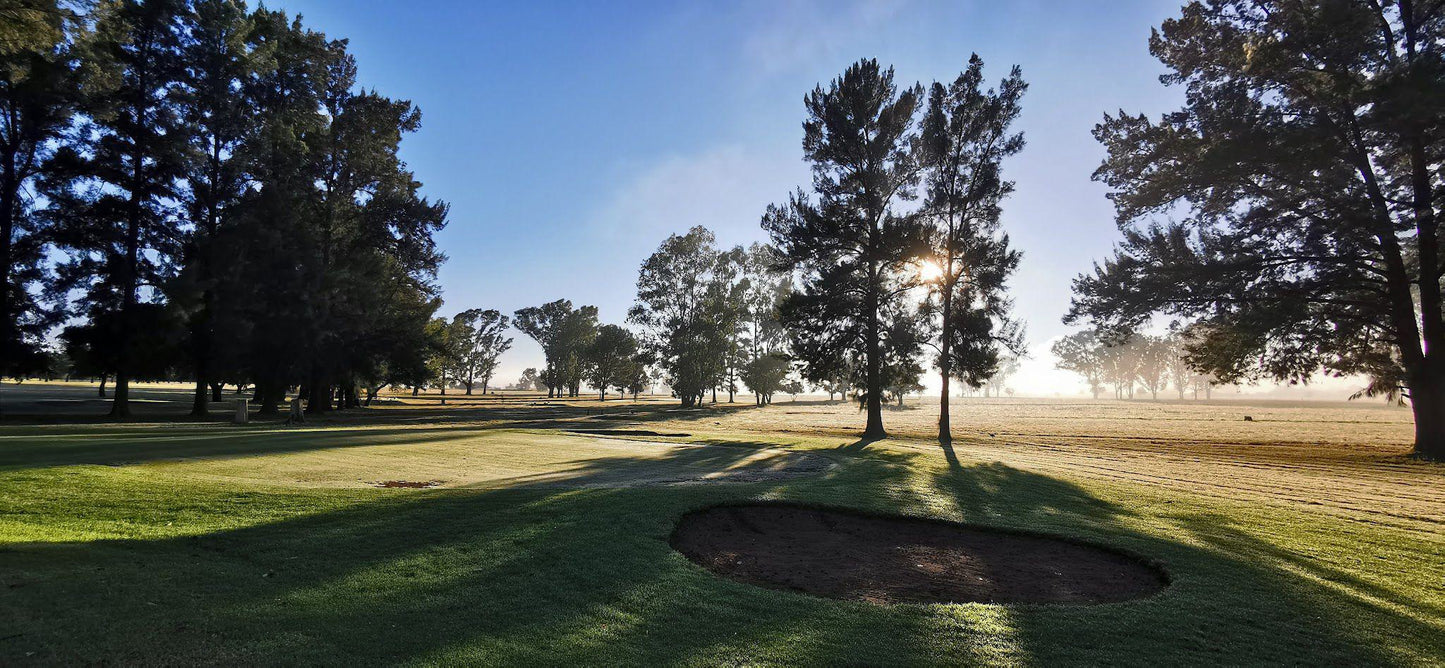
x: 571, y: 139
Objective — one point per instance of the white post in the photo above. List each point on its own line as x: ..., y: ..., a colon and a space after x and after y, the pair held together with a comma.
x: 242, y: 410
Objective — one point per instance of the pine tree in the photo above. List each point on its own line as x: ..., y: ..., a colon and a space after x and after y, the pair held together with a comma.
x: 116, y: 198
x: 849, y: 240
x: 964, y: 140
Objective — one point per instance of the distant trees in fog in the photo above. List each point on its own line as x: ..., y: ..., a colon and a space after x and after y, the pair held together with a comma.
x: 1140, y: 363
x: 565, y: 334
x: 473, y: 342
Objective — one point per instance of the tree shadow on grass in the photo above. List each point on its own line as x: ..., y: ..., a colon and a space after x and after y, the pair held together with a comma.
x: 585, y: 575
x: 122, y: 448
x: 1228, y: 601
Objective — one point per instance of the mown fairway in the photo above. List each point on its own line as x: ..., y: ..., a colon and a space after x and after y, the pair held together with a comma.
x: 1302, y: 536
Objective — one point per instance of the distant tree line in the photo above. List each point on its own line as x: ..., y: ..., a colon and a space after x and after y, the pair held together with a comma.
x: 227, y: 203
x: 1141, y: 362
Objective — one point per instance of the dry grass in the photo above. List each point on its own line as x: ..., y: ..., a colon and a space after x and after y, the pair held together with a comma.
x: 1345, y: 458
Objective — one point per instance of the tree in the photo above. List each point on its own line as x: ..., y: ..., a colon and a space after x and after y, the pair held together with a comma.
x: 1153, y: 355
x: 117, y: 182
x: 611, y: 360
x: 218, y: 62
x: 564, y: 334
x: 964, y: 139
x: 368, y: 226
x: 766, y: 288
x: 1121, y: 366
x: 530, y: 380
x: 482, y: 341
x: 686, y: 302
x: 998, y: 382
x: 268, y: 248
x: 1082, y: 353
x: 849, y: 241
x: 38, y: 93
x: 765, y: 375
x: 1178, y: 370
x: 906, y: 332
x: 1307, y: 159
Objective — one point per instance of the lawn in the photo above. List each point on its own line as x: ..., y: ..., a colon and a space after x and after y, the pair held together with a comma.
x: 1301, y: 536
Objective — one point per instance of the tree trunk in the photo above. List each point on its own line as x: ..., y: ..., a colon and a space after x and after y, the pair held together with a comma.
x: 120, y: 404
x: 269, y: 397
x: 318, y: 394
x: 198, y: 400
x: 945, y: 368
x: 216, y: 390
x: 1427, y: 401
x: 8, y: 200
x: 874, y: 390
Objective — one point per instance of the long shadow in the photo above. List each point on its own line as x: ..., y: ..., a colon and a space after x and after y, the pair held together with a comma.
x: 81, y: 442
x: 406, y: 576
x: 124, y: 448
x: 583, y: 574
x: 1230, y: 600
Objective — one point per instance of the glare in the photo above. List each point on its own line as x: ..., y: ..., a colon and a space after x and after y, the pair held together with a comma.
x: 929, y: 271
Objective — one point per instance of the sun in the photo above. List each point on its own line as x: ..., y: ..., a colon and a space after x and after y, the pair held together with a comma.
x: 929, y: 271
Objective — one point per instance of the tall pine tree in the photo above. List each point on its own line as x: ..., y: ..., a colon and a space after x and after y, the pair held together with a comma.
x: 850, y: 241
x: 964, y: 139
x: 116, y: 198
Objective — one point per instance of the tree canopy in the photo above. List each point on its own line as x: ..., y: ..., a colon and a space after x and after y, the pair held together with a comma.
x: 1292, y: 205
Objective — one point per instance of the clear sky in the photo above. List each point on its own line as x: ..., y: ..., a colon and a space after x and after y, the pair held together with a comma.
x: 571, y: 138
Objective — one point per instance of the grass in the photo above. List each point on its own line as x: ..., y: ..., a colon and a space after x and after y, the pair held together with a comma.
x: 212, y: 543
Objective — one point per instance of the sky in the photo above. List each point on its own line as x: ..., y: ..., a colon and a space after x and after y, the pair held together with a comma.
x: 571, y: 138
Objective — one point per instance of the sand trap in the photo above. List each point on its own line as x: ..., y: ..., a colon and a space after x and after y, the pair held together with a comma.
x: 851, y: 556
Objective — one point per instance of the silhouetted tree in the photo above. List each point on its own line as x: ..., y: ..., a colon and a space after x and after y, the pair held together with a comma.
x: 765, y: 375
x: 564, y: 334
x: 849, y: 240
x: 1306, y: 165
x: 38, y: 93
x: 964, y: 139
x: 218, y: 62
x: 114, y: 196
x: 611, y: 360
x: 482, y: 341
x: 1082, y: 353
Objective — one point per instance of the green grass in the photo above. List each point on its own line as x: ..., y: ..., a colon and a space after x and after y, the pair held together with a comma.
x: 214, y: 544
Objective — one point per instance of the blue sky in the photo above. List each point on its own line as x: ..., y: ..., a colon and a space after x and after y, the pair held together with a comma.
x: 571, y: 138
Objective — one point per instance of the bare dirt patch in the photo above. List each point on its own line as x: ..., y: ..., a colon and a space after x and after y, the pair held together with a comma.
x: 409, y: 484
x: 627, y: 432
x: 885, y: 560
